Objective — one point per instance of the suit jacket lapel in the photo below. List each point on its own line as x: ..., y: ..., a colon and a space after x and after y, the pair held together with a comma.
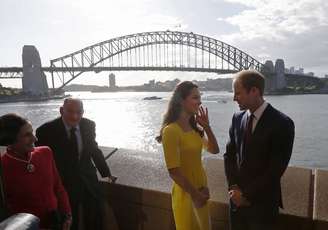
x: 83, y: 132
x: 62, y: 130
x: 263, y: 120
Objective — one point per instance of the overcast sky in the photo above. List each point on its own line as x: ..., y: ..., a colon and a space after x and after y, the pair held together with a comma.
x: 296, y: 31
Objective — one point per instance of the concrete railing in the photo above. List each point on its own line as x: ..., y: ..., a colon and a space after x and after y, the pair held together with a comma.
x: 141, y: 197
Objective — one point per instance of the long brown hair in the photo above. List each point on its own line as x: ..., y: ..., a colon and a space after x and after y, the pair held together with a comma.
x: 181, y: 92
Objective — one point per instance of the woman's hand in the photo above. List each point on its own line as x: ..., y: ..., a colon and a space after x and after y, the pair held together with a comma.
x: 199, y: 199
x: 67, y: 223
x: 205, y: 192
x: 202, y: 117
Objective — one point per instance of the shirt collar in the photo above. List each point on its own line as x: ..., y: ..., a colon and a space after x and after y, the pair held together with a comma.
x: 68, y: 127
x: 259, y: 111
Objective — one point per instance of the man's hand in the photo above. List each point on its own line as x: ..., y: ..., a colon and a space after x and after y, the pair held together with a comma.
x: 112, y: 179
x: 67, y: 223
x: 237, y: 198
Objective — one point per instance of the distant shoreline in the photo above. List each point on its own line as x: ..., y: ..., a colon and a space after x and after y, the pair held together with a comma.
x: 205, y: 90
x: 25, y: 98
x: 16, y: 98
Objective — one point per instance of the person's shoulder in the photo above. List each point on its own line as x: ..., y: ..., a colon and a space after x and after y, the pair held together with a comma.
x: 171, y: 128
x: 280, y: 116
x: 87, y: 122
x: 49, y: 124
x: 44, y: 151
x: 238, y: 115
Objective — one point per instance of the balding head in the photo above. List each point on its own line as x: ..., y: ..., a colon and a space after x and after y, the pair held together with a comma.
x: 72, y: 111
x: 71, y: 100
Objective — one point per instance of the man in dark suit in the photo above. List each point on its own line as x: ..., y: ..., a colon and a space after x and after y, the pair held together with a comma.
x: 257, y: 154
x: 72, y: 139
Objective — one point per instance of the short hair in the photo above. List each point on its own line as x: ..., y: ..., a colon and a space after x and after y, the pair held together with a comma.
x: 10, y: 125
x: 250, y: 79
x: 71, y: 99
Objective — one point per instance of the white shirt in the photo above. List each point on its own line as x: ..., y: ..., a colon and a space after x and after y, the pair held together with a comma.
x: 78, y: 136
x: 257, y: 114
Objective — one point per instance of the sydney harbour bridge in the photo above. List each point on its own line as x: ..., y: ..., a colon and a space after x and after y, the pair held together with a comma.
x: 148, y: 51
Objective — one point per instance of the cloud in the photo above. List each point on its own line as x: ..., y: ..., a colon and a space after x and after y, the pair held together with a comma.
x: 293, y: 30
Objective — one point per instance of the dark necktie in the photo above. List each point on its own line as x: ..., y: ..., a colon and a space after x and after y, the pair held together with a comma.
x: 73, y: 142
x: 248, y: 131
x: 249, y: 127
x: 247, y: 137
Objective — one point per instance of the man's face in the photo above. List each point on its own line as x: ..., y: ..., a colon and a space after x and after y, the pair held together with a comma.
x: 72, y: 112
x: 243, y: 97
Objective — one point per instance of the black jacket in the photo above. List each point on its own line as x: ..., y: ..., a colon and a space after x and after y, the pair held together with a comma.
x: 78, y: 176
x: 258, y: 169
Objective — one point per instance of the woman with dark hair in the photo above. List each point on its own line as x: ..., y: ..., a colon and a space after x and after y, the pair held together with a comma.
x: 183, y: 138
x: 31, y: 181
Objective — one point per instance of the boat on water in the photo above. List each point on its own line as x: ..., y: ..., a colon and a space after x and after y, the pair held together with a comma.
x: 152, y: 98
x: 222, y: 101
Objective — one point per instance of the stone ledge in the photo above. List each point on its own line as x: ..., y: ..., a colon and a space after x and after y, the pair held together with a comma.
x: 320, y: 207
x: 143, y: 181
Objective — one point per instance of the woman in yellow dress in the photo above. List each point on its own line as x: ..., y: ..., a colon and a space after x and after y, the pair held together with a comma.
x: 183, y: 138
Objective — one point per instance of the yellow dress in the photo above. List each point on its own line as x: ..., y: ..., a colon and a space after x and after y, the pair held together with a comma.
x: 183, y: 149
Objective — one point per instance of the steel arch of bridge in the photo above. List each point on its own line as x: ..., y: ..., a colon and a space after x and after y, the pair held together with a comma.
x: 93, y: 58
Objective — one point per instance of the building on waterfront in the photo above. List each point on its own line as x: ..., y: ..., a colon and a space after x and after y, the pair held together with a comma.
x: 34, y: 80
x: 275, y: 78
x: 310, y: 74
x: 112, y: 80
x: 300, y: 71
x: 152, y: 83
x: 280, y: 78
x: 268, y: 72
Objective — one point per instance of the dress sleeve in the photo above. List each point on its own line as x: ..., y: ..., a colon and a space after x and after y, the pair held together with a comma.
x: 170, y: 141
x: 61, y: 194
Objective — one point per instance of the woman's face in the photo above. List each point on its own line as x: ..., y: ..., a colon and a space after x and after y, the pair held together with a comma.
x: 192, y: 102
x: 25, y: 139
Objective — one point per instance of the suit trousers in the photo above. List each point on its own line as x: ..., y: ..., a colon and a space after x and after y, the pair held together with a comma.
x: 88, y: 213
x: 254, y: 217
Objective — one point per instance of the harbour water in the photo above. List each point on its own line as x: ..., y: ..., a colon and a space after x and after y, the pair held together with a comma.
x: 125, y: 120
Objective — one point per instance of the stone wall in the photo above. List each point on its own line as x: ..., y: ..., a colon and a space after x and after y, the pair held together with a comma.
x: 141, y: 197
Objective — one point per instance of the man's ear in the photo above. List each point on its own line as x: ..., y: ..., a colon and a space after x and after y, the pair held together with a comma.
x: 255, y: 90
x: 61, y: 110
